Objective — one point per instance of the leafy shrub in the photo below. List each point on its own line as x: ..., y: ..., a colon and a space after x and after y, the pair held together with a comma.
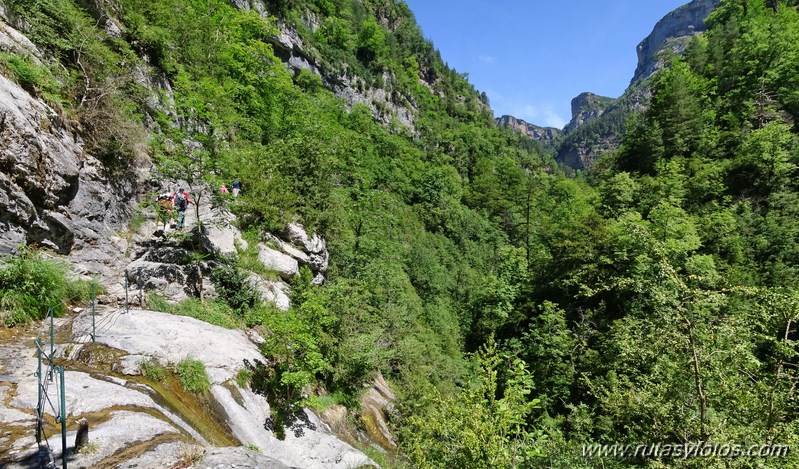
x: 29, y: 285
x: 308, y: 81
x: 490, y: 424
x: 232, y: 286
x: 34, y: 78
x: 193, y: 376
x: 295, y: 361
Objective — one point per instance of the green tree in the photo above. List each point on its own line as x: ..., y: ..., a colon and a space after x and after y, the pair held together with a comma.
x: 475, y: 428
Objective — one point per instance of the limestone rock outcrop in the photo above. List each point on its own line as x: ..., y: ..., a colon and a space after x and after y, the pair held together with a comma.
x: 293, y: 249
x: 533, y: 131
x: 376, y: 405
x: 178, y: 264
x: 385, y: 106
x: 128, y: 413
x: 586, y: 107
x: 579, y: 148
x: 53, y: 193
x: 671, y: 32
x: 582, y: 146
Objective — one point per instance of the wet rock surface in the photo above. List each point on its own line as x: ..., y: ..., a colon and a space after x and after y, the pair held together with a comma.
x: 130, y: 426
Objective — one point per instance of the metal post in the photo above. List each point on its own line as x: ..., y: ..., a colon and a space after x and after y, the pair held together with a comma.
x: 93, y: 331
x: 126, y: 291
x: 39, y: 386
x: 52, y: 343
x: 63, y: 420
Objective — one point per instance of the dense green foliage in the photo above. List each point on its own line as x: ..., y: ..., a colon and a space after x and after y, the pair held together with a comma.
x: 30, y: 285
x: 476, y: 428
x: 518, y: 313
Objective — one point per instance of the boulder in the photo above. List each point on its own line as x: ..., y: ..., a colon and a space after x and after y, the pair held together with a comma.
x: 318, y: 261
x: 275, y: 292
x: 221, y: 236
x: 306, y: 250
x: 287, y: 248
x: 297, y: 236
x: 273, y: 259
x: 318, y: 279
x: 170, y: 280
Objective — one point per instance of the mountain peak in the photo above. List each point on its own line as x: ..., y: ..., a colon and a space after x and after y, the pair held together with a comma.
x: 671, y: 32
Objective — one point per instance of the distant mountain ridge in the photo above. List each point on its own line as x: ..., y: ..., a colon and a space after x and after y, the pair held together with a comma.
x: 533, y: 131
x: 578, y: 146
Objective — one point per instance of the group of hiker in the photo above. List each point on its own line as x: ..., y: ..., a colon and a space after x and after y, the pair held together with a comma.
x: 236, y: 189
x: 177, y: 202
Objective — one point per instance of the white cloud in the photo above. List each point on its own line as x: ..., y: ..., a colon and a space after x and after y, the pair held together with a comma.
x: 543, y: 115
x: 486, y: 59
x: 551, y: 119
x: 526, y: 112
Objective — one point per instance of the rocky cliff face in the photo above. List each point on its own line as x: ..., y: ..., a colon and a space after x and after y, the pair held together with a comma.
x: 597, y: 123
x: 55, y: 194
x: 671, y: 33
x: 580, y: 144
x: 533, y: 131
x: 587, y: 106
x: 597, y: 128
x: 297, y: 55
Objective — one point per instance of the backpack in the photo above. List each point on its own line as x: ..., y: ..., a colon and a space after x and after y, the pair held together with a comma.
x: 180, y: 201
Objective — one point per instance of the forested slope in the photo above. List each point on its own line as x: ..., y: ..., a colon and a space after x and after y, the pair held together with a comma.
x: 518, y: 313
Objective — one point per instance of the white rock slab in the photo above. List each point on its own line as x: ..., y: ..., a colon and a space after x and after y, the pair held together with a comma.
x: 171, y: 338
x: 123, y: 430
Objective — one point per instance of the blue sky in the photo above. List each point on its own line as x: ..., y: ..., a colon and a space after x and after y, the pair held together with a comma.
x: 531, y: 57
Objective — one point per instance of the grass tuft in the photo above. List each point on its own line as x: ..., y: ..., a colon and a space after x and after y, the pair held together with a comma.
x: 214, y: 312
x: 193, y: 376
x: 153, y: 370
